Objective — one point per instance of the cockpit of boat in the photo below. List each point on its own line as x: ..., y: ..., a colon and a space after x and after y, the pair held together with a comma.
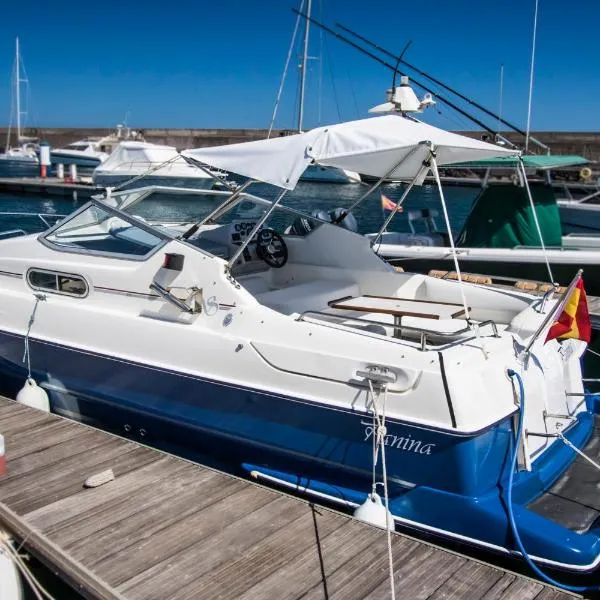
x: 294, y: 263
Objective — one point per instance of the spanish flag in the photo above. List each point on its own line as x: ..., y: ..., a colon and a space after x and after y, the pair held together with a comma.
x: 574, y: 319
x: 387, y: 204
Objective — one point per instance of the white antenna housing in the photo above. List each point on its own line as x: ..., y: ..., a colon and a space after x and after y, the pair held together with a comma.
x: 403, y: 99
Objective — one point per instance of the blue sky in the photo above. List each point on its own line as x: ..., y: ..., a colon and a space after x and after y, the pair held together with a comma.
x: 219, y: 63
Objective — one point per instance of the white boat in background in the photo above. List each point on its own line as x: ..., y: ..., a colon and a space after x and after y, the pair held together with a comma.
x: 91, y: 152
x: 581, y: 214
x: 20, y: 160
x: 501, y: 235
x: 318, y: 173
x: 159, y: 165
x: 85, y: 154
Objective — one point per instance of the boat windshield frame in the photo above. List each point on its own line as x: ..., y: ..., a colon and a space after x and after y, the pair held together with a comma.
x: 107, y: 201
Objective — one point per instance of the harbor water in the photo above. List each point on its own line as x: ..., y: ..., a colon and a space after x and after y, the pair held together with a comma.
x: 306, y: 197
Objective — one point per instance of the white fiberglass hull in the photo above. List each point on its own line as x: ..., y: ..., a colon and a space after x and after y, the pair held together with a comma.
x: 520, y: 263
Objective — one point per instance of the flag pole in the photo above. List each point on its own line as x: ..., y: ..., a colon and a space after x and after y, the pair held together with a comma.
x: 559, y: 306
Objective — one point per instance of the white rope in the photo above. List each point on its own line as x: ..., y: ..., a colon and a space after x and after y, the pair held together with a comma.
x: 26, y: 353
x: 535, y: 219
x: 379, y: 442
x: 285, y: 69
x: 38, y: 589
x: 577, y: 450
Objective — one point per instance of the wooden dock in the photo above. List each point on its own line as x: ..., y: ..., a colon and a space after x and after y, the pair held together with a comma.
x: 50, y: 186
x: 169, y: 528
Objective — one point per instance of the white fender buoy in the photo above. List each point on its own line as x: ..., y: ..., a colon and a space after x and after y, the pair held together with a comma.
x: 11, y: 586
x: 373, y: 511
x: 31, y: 394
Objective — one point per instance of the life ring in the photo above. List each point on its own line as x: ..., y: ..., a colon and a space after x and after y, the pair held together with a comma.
x: 585, y: 173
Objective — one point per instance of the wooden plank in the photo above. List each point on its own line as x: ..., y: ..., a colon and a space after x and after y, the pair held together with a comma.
x: 33, y: 491
x: 233, y: 577
x: 87, y: 503
x: 216, y: 535
x: 123, y: 524
x: 471, y: 580
x: 549, y: 593
x: 343, y: 583
x: 10, y: 407
x: 312, y: 567
x: 52, y: 458
x: 21, y: 422
x: 511, y: 587
x: 419, y: 570
x: 75, y: 574
x: 42, y: 437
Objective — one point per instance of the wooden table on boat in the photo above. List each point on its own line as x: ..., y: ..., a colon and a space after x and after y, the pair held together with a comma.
x: 400, y: 307
x: 169, y: 528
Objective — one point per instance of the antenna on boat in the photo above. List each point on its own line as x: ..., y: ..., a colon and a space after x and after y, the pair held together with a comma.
x: 531, y: 76
x: 390, y: 66
x: 402, y: 98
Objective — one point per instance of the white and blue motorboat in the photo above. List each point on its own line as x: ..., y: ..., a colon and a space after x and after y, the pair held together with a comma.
x: 298, y: 353
x: 86, y: 154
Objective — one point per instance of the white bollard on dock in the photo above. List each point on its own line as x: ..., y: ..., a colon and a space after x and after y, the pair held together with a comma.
x: 60, y: 171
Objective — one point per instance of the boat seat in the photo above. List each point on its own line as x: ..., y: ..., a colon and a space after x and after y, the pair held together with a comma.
x: 310, y: 295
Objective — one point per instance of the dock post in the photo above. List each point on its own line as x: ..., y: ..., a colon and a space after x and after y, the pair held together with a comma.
x: 44, y: 159
x: 60, y: 171
x: 73, y: 172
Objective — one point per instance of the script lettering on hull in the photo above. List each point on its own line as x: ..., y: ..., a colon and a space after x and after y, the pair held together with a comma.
x: 405, y: 442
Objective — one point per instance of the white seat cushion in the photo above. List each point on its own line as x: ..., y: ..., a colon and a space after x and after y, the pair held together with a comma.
x: 311, y: 295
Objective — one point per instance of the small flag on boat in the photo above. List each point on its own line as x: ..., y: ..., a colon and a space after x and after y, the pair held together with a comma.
x: 387, y: 204
x: 574, y: 319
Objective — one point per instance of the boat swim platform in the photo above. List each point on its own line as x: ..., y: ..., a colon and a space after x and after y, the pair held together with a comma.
x: 49, y: 186
x: 169, y: 528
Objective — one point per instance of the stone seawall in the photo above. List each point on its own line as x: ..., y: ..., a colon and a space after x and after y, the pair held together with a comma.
x: 586, y: 144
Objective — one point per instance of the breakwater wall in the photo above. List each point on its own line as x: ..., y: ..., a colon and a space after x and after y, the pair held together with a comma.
x: 586, y: 144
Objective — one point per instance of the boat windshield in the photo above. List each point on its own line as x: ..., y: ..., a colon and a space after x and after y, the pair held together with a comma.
x: 135, y: 223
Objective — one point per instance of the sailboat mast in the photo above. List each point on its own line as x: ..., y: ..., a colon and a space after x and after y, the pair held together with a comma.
x: 303, y: 67
x: 18, y: 92
x: 531, y: 77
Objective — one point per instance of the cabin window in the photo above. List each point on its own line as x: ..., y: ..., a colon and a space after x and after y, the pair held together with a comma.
x: 58, y: 283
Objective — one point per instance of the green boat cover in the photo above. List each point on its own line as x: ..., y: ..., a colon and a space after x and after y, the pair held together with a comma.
x: 531, y: 161
x: 502, y: 217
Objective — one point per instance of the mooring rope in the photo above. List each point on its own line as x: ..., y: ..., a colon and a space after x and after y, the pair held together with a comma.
x: 26, y: 353
x: 38, y: 589
x: 379, y: 435
x: 576, y: 449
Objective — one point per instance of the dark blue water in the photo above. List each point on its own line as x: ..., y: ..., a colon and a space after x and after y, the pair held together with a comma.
x: 306, y: 197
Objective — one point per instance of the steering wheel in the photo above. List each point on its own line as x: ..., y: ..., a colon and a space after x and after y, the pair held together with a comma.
x: 271, y: 248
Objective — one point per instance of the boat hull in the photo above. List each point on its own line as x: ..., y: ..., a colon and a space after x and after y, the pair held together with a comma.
x: 579, y: 218
x: 439, y: 481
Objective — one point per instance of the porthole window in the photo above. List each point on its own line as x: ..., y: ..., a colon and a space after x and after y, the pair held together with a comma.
x: 58, y: 283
